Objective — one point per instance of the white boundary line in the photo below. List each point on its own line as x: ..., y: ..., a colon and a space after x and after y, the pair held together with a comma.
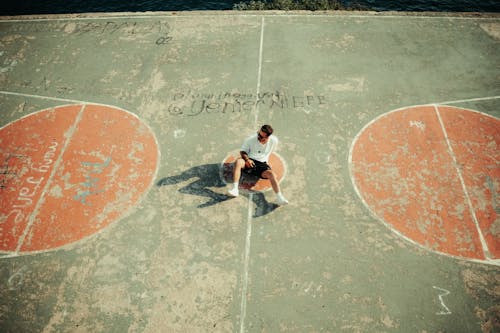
x: 246, y: 266
x: 464, y: 187
x: 34, y: 213
x: 248, y: 239
x: 259, y: 73
x: 469, y: 100
x: 379, y: 218
x: 10, y: 254
x: 175, y: 14
x: 47, y: 98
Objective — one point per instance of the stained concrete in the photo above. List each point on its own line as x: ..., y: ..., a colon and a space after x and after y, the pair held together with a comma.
x: 186, y: 257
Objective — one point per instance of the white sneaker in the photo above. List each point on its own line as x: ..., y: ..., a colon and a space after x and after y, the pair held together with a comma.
x: 281, y: 201
x: 234, y: 192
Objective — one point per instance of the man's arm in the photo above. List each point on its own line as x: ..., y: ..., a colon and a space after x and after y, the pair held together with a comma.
x: 248, y: 162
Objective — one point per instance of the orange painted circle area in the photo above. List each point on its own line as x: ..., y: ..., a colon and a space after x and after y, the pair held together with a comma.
x: 432, y: 174
x: 68, y: 172
x: 253, y: 183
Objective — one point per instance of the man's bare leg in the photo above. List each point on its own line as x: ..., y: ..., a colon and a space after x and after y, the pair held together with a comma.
x: 238, y: 165
x: 269, y: 174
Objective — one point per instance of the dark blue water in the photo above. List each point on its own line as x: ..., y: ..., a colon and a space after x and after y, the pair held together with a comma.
x: 21, y: 7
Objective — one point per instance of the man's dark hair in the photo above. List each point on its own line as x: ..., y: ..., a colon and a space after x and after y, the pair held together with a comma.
x: 267, y: 129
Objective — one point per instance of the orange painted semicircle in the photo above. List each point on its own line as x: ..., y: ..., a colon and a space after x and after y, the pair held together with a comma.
x: 431, y: 173
x: 70, y: 171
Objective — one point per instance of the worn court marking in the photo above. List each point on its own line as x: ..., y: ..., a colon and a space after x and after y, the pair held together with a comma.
x: 432, y: 174
x: 248, y: 238
x: 68, y: 172
x: 173, y: 15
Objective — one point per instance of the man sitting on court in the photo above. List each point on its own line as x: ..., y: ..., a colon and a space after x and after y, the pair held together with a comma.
x: 254, y: 156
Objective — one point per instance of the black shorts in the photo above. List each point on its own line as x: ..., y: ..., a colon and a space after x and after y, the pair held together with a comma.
x: 258, y: 169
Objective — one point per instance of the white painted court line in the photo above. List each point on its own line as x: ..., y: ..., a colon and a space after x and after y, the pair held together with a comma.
x: 181, y: 14
x: 246, y: 263
x: 42, y: 97
x: 259, y: 73
x: 248, y: 239
x: 469, y: 100
x: 464, y: 187
x: 57, y: 163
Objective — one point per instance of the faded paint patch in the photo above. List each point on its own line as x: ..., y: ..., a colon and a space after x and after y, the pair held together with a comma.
x: 352, y: 85
x: 492, y: 29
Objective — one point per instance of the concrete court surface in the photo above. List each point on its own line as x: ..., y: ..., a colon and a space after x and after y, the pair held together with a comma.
x: 114, y: 129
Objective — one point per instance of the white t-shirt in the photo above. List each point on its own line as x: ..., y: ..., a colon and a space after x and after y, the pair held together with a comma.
x: 258, y: 151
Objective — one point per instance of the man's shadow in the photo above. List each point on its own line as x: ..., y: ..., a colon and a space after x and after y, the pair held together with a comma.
x: 210, y: 176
